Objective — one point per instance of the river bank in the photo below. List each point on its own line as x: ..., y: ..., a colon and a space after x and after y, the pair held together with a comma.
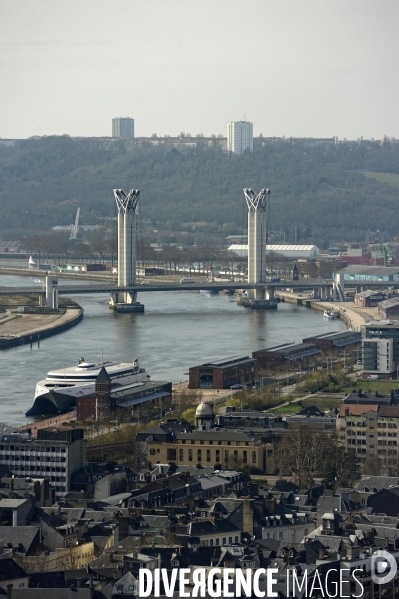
x: 18, y: 328
x: 353, y: 316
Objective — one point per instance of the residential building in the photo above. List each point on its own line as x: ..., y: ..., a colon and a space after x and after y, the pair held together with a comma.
x: 123, y: 127
x: 53, y: 455
x: 211, y: 447
x: 240, y: 137
x: 369, y: 485
x: 377, y: 357
x: 371, y: 430
x: 380, y: 347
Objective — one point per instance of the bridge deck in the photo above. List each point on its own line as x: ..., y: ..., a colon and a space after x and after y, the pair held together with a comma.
x: 217, y: 286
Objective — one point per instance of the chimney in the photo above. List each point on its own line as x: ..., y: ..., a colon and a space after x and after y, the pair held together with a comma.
x: 270, y: 504
x: 321, y: 553
x: 78, y: 583
x: 370, y: 535
x: 9, y: 587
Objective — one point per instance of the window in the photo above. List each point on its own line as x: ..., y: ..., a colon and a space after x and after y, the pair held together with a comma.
x: 208, y: 455
x: 199, y: 454
x: 181, y: 454
x: 190, y: 455
x: 171, y: 454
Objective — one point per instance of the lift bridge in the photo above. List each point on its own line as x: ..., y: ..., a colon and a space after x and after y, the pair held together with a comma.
x: 123, y: 295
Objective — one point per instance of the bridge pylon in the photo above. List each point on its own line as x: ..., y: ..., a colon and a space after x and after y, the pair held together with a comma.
x: 261, y: 298
x: 126, y: 301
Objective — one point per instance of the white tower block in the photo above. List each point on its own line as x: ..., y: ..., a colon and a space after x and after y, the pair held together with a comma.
x: 257, y: 206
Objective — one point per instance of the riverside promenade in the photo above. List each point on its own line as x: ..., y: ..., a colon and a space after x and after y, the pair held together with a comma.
x: 19, y: 328
x: 353, y: 316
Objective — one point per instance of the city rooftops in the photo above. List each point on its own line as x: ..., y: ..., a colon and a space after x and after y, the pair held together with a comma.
x: 214, y: 434
x: 229, y: 362
x: 359, y: 269
x: 389, y: 303
x: 382, y: 324
x: 337, y: 338
x: 290, y: 349
x: 367, y: 293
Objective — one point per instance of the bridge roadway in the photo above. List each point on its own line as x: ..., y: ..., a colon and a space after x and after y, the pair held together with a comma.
x: 216, y: 285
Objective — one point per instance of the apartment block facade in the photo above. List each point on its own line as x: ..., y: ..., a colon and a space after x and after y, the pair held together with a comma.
x: 240, y: 137
x: 54, y: 454
x: 123, y: 127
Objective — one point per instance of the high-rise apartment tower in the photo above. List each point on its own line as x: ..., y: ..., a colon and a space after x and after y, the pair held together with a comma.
x: 123, y: 127
x: 240, y: 137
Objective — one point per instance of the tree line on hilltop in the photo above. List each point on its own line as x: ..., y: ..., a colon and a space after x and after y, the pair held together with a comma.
x: 319, y: 193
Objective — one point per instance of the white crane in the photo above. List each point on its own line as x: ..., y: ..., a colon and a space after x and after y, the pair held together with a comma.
x: 75, y: 227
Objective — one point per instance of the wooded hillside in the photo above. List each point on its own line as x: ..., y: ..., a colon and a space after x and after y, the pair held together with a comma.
x: 320, y: 190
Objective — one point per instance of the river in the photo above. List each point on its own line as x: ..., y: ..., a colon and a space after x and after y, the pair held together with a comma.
x: 178, y: 330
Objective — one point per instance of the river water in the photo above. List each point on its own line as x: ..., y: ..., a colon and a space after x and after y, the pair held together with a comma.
x: 178, y: 330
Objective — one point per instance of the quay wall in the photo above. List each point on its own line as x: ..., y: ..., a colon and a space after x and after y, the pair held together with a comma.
x: 34, y: 336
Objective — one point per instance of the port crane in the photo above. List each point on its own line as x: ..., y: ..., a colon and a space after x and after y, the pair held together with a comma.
x: 75, y: 227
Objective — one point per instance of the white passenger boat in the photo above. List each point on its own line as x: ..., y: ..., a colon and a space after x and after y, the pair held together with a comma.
x: 60, y: 389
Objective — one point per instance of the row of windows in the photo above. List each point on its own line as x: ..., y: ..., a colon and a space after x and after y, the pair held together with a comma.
x: 210, y: 442
x: 22, y: 448
x: 218, y: 455
x: 31, y: 468
x: 27, y: 458
x: 211, y: 542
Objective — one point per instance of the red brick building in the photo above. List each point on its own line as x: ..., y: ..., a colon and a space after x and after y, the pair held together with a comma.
x: 222, y: 374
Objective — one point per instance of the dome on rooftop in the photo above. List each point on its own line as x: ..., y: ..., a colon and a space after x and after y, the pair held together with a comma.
x: 204, y: 410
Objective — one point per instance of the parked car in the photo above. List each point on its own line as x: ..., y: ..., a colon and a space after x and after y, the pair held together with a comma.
x: 236, y: 386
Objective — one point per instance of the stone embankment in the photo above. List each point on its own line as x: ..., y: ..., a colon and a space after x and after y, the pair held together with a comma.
x: 353, y: 316
x: 22, y: 328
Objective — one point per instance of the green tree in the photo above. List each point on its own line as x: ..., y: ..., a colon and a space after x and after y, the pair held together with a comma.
x: 189, y: 415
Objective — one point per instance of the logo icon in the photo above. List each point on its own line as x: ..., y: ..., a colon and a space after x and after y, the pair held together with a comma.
x: 383, y: 567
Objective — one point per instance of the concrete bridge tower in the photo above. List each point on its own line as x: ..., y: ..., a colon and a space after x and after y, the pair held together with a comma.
x: 125, y: 301
x: 257, y: 206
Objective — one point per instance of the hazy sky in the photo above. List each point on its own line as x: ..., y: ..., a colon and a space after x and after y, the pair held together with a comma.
x: 294, y: 67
